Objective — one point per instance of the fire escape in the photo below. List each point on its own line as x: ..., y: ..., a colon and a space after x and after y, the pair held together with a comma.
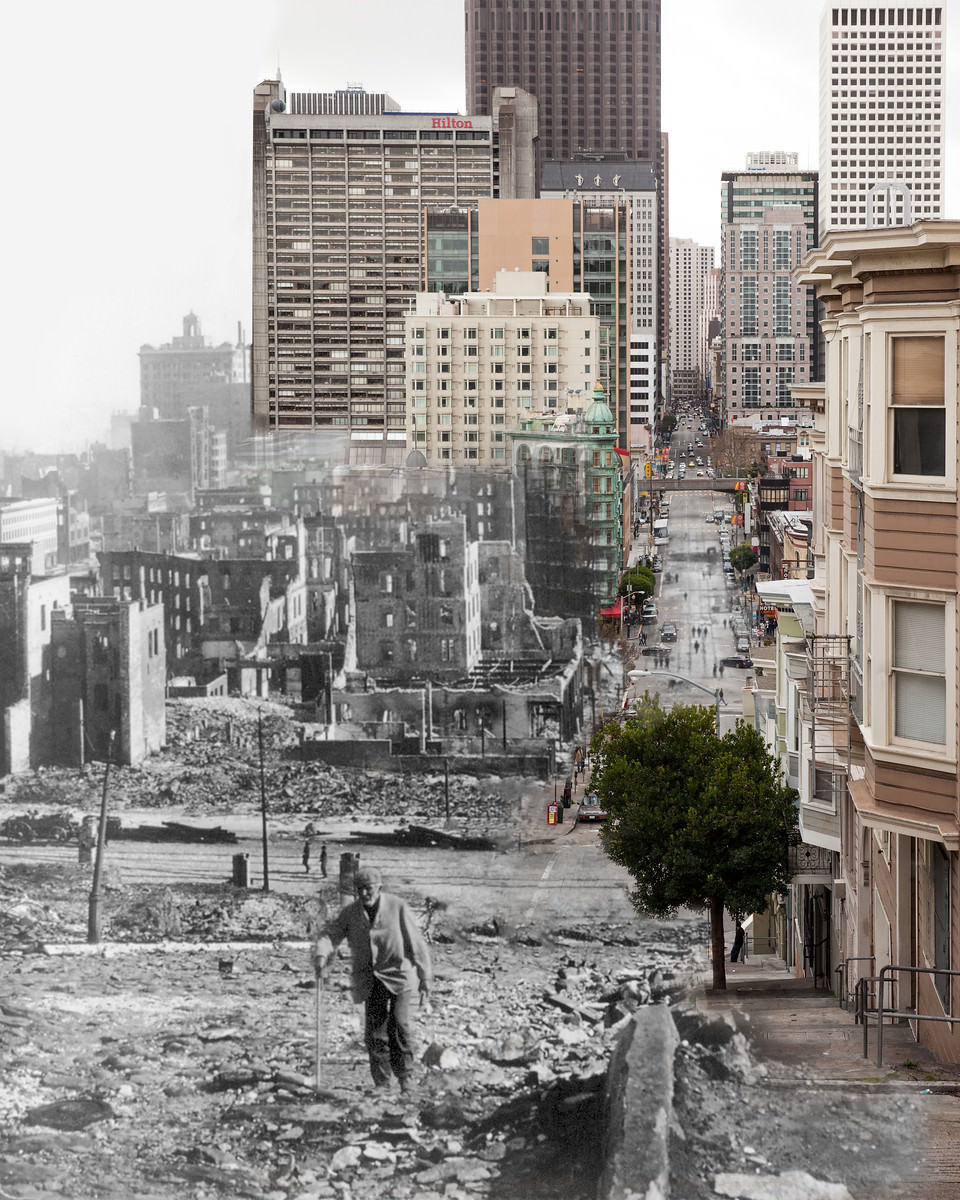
x: 828, y: 706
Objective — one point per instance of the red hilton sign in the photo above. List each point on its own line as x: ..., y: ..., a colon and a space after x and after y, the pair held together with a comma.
x: 450, y: 123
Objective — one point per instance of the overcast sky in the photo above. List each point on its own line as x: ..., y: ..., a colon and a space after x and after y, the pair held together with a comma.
x: 127, y: 197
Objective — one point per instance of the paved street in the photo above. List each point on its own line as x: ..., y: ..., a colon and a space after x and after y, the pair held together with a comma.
x: 693, y: 593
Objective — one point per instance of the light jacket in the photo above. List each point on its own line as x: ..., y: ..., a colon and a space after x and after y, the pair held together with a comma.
x: 390, y: 949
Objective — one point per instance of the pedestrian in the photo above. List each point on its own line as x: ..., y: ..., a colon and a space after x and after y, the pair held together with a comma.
x: 696, y: 647
x: 714, y: 670
x: 323, y: 860
x: 739, y: 937
x: 306, y: 856
x: 721, y: 670
x: 389, y: 961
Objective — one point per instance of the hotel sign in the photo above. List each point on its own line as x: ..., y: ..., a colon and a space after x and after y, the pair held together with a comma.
x: 450, y: 123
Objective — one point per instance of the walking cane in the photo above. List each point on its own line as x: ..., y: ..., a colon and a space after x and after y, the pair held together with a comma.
x: 319, y: 1029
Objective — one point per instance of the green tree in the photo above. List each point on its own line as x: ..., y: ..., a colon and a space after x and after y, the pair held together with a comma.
x: 637, y: 579
x: 697, y: 820
x: 743, y: 557
x: 668, y: 424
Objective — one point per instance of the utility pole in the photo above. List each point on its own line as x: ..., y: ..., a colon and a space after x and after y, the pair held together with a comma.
x: 93, y: 908
x: 263, y: 803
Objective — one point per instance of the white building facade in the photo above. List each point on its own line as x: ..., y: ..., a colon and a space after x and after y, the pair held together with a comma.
x: 881, y: 115
x: 690, y: 267
x: 478, y: 364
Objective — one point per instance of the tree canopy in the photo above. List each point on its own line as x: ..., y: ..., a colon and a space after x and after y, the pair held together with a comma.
x: 637, y: 579
x: 697, y: 820
x: 743, y: 557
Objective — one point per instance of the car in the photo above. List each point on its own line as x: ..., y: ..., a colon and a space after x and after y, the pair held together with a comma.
x: 711, y: 474
x: 743, y: 646
x: 650, y: 616
x: 741, y: 661
x: 591, y: 809
x: 668, y: 633
x: 709, y: 518
x: 700, y: 474
x: 656, y: 564
x: 699, y: 461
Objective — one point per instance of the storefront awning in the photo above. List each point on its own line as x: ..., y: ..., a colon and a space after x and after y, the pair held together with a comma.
x: 612, y: 610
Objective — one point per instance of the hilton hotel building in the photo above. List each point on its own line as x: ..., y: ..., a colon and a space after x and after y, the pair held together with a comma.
x: 342, y: 183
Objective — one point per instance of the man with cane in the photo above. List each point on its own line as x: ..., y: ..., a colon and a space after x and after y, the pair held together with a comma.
x: 390, y: 962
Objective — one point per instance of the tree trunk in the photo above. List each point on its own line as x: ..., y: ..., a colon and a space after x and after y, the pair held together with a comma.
x: 716, y: 940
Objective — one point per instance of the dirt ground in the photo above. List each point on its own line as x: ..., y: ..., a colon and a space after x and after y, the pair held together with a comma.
x: 180, y: 1060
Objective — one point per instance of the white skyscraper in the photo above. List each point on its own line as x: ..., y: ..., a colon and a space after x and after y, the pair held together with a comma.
x: 881, y: 115
x: 690, y: 267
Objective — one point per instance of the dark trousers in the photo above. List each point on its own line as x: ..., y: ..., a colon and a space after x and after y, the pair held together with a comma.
x: 388, y: 1034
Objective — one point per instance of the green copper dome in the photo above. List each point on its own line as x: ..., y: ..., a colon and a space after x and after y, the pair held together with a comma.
x: 599, y: 411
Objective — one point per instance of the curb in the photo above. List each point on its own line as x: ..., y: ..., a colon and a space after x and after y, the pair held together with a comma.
x: 639, y: 1108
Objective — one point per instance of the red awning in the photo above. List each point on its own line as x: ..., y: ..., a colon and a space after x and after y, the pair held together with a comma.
x: 612, y: 610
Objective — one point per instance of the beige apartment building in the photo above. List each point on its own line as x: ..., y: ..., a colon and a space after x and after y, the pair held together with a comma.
x: 478, y: 364
x: 875, y: 734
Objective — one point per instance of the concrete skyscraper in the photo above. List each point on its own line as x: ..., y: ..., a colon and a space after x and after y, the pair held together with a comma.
x: 593, y: 65
x: 341, y: 184
x: 769, y: 223
x: 594, y: 68
x: 881, y: 115
x: 690, y: 267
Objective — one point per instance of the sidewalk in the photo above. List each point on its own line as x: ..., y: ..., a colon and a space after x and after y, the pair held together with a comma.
x: 803, y: 1039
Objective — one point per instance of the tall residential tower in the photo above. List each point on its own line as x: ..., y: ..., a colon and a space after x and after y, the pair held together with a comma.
x: 768, y: 224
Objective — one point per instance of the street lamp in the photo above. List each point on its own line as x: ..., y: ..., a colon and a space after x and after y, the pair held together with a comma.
x: 716, y: 693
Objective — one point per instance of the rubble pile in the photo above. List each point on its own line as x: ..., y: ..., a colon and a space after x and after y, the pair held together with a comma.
x: 734, y: 1128
x: 211, y: 763
x: 198, y: 1071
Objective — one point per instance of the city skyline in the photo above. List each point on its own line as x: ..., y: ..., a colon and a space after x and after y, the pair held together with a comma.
x: 142, y: 213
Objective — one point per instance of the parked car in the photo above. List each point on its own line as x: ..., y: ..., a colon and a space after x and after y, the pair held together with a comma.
x: 656, y: 564
x: 743, y: 646
x: 668, y: 633
x: 741, y: 661
x: 590, y: 809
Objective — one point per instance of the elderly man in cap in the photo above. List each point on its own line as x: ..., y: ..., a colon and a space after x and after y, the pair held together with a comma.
x: 390, y: 961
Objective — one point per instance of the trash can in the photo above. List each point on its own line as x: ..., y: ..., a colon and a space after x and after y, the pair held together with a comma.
x: 241, y: 870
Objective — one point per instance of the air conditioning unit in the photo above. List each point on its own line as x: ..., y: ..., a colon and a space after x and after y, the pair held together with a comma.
x: 840, y: 890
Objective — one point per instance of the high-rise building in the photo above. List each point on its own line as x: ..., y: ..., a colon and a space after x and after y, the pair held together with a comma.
x: 608, y: 184
x: 594, y: 68
x: 593, y: 65
x: 341, y: 185
x: 481, y: 362
x: 881, y: 115
x: 580, y: 243
x: 190, y: 372
x: 768, y: 224
x: 690, y: 267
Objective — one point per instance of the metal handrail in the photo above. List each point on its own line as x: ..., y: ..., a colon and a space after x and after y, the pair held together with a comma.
x: 861, y: 1010
x: 846, y: 995
x: 908, y: 1016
